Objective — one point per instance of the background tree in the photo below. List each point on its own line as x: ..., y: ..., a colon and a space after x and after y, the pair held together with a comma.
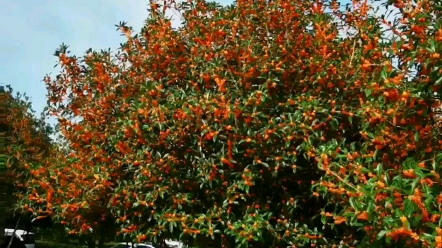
x: 24, y: 140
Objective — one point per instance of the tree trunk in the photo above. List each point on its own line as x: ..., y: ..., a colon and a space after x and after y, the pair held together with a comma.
x: 101, y: 241
x: 91, y: 242
x: 3, y: 218
x: 5, y: 204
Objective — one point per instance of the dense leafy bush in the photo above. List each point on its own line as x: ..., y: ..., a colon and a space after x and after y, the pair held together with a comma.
x: 27, y: 138
x: 261, y: 124
x: 24, y: 143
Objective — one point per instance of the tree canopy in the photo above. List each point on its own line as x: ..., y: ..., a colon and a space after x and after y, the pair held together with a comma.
x: 258, y: 124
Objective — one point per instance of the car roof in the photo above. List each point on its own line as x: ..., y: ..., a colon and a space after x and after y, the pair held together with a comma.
x: 20, y: 232
x: 168, y: 242
x: 136, y: 245
x: 174, y: 243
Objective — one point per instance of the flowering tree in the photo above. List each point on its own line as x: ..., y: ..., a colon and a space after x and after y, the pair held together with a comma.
x: 260, y: 124
x: 24, y: 140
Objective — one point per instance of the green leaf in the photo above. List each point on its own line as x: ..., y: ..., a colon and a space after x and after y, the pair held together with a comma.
x: 438, y: 158
x: 381, y: 234
x: 171, y: 226
x: 379, y: 169
x: 408, y: 207
x: 384, y: 73
x: 433, y: 45
x: 414, y: 184
x: 416, y: 136
x: 354, y: 204
x: 324, y: 219
x: 419, y: 172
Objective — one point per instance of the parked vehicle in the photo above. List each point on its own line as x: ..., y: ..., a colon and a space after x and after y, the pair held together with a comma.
x: 130, y: 245
x: 22, y: 238
x: 174, y: 244
x: 169, y: 244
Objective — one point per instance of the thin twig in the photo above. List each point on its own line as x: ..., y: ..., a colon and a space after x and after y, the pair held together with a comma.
x: 342, y: 180
x: 352, y: 53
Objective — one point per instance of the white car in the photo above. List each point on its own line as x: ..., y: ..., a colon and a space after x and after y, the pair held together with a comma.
x: 174, y: 244
x: 22, y: 238
x: 130, y: 245
x: 169, y: 243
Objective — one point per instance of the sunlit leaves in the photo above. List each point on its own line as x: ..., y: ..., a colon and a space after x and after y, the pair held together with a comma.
x: 258, y: 124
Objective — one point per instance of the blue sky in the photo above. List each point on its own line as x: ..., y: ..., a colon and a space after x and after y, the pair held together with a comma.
x: 32, y: 30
